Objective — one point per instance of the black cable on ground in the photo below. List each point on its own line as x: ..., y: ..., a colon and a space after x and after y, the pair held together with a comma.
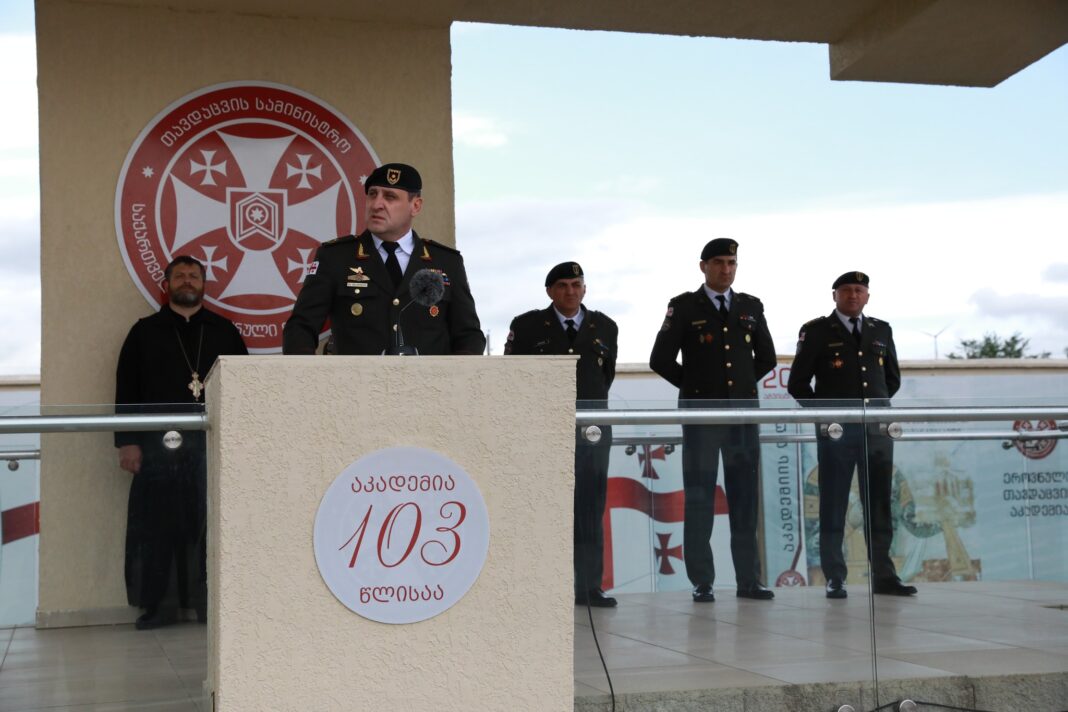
x: 589, y: 612
x: 604, y: 665
x: 947, y: 707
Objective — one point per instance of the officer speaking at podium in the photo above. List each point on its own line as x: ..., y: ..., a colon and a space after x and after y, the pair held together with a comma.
x: 367, y: 284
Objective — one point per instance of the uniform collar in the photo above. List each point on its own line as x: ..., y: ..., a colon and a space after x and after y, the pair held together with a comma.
x: 848, y: 324
x: 711, y: 294
x: 406, y: 243
x: 577, y: 318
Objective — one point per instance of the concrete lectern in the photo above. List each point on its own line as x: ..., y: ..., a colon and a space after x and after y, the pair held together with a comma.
x: 282, y: 429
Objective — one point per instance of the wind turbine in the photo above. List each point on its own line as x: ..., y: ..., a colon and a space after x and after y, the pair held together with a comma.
x: 935, y: 337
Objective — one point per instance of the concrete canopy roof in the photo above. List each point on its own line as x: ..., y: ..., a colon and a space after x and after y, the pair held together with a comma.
x: 961, y: 42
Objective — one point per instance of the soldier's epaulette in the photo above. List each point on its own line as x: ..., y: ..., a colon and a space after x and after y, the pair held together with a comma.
x: 684, y: 295
x: 601, y: 315
x: 438, y: 244
x: 874, y: 319
x: 340, y: 240
x: 812, y: 322
x: 743, y: 296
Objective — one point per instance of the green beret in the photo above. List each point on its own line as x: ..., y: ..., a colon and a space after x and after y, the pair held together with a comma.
x: 394, y: 175
x: 719, y: 247
x: 564, y: 270
x: 851, y: 278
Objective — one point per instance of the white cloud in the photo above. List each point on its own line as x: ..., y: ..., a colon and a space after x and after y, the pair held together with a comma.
x: 477, y: 131
x: 18, y: 86
x: 926, y: 262
x: 1057, y: 272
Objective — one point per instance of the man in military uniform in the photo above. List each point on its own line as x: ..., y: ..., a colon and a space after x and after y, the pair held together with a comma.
x: 567, y: 327
x: 853, y: 360
x: 361, y: 282
x: 726, y: 349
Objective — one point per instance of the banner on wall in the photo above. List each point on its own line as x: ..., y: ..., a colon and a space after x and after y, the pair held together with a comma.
x: 249, y: 178
x: 964, y: 510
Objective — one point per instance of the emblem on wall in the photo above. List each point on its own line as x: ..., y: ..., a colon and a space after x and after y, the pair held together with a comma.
x: 249, y: 178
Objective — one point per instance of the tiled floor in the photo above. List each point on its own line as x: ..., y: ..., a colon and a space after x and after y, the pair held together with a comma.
x: 661, y: 642
x: 652, y: 643
x: 104, y: 669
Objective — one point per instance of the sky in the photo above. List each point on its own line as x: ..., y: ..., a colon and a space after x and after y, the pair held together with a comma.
x: 629, y: 152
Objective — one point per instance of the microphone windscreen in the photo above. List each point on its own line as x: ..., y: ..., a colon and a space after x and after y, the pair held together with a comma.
x: 427, y: 287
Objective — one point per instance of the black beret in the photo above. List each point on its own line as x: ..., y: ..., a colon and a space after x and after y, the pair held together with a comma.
x: 719, y: 247
x: 851, y: 278
x: 394, y: 175
x: 564, y: 270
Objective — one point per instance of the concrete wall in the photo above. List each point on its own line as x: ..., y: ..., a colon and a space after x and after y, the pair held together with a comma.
x: 105, y: 70
x: 284, y: 429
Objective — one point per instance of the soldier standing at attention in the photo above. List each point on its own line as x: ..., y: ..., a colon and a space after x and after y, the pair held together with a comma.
x: 853, y: 360
x: 726, y: 349
x: 567, y: 327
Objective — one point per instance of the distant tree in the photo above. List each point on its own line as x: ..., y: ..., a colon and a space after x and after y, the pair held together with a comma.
x: 993, y: 346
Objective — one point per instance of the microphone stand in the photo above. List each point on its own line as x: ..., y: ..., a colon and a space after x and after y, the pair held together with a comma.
x: 399, y: 348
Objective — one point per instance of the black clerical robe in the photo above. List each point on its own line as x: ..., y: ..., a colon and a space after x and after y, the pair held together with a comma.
x: 166, y: 515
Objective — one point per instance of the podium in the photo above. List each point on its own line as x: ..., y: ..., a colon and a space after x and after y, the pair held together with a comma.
x: 282, y: 430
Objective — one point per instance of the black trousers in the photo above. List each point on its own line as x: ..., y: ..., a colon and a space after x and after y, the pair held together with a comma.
x: 591, y: 484
x: 702, y: 446
x: 872, y: 456
x: 166, y: 546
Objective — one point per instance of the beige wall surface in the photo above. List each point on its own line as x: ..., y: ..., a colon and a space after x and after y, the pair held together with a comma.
x: 104, y: 71
x: 284, y: 429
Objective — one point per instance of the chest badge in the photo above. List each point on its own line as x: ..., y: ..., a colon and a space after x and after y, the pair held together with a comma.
x: 837, y: 363
x: 434, y: 311
x: 748, y: 338
x: 356, y: 309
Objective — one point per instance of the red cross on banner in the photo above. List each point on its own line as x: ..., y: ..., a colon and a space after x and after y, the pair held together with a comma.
x: 667, y: 507
x: 666, y: 554
x: 646, y: 457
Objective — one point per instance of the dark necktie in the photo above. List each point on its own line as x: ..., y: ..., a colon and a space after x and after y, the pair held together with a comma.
x: 392, y: 263
x: 722, y: 305
x: 571, y: 330
x: 856, y: 327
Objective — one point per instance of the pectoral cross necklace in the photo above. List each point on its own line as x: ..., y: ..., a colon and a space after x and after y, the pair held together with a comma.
x: 196, y: 386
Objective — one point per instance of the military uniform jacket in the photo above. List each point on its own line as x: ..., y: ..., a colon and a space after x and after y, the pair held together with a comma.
x: 844, y: 369
x: 720, y: 359
x: 540, y: 332
x: 348, y: 283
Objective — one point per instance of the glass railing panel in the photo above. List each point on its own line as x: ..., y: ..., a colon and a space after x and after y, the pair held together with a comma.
x: 659, y: 638
x: 980, y: 514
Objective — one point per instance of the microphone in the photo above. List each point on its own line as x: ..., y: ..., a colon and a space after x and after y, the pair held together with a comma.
x: 426, y: 287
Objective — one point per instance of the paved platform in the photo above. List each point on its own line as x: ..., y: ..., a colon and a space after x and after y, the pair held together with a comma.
x: 990, y: 646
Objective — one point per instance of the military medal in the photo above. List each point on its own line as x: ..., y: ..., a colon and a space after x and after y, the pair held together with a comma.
x: 434, y: 310
x: 356, y: 309
x: 196, y: 386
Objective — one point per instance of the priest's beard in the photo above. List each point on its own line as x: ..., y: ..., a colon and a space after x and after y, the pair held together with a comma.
x: 186, y: 297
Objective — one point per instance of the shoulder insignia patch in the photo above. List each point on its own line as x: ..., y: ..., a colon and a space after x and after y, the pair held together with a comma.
x: 439, y: 245
x: 340, y: 240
